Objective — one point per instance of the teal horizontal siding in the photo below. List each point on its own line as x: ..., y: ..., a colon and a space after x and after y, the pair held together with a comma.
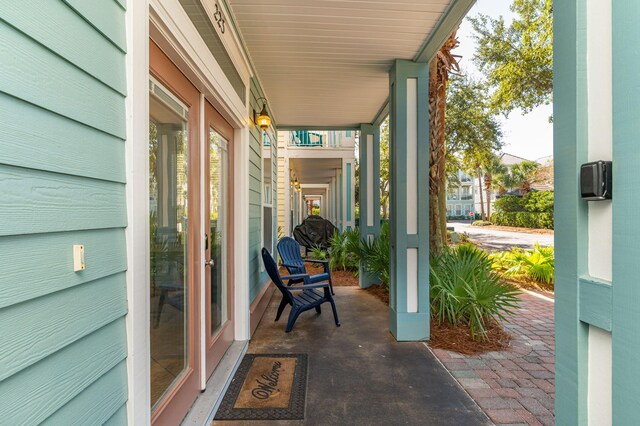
x: 122, y: 4
x: 90, y: 51
x: 63, y: 343
x: 34, y: 394
x: 52, y: 255
x: 119, y: 418
x: 107, y: 16
x: 96, y: 405
x: 35, y: 202
x: 48, y: 141
x: 71, y: 315
x: 37, y: 75
x: 257, y: 278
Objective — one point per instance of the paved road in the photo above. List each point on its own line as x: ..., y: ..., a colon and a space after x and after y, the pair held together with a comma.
x: 494, y: 239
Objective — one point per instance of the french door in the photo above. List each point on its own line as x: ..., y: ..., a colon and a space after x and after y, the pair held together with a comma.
x: 218, y: 225
x: 174, y: 211
x: 191, y: 249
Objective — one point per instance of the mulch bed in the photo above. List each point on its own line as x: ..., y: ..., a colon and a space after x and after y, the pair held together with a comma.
x: 338, y: 278
x: 542, y: 288
x: 457, y: 339
x: 379, y: 292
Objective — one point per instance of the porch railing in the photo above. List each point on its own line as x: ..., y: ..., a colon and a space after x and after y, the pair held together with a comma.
x: 321, y: 139
x: 305, y: 138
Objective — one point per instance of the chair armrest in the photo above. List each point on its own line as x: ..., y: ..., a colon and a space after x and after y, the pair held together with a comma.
x: 316, y: 261
x: 294, y: 277
x: 309, y: 286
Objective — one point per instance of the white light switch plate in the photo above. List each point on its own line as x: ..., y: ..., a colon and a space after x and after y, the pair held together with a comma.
x: 78, y: 257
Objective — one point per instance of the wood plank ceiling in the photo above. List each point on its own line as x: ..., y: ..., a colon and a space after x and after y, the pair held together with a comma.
x: 326, y: 62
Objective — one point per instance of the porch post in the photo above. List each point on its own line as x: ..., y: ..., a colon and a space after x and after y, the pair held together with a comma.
x: 340, y: 200
x: 286, y: 185
x: 409, y: 225
x: 369, y: 158
x: 348, y: 194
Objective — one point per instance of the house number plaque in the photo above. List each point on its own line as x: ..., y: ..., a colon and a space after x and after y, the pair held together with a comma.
x: 219, y: 18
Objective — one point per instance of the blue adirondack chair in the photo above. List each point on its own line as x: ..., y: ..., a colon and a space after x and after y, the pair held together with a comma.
x: 289, y: 250
x: 307, y: 297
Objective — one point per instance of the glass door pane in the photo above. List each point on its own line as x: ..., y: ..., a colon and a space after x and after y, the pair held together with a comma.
x: 168, y: 194
x: 218, y: 208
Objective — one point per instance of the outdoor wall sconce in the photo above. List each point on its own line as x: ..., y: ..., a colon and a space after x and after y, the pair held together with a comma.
x: 296, y: 183
x: 596, y: 181
x: 263, y: 120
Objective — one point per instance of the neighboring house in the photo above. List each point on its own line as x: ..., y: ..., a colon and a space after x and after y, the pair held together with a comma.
x: 509, y: 160
x: 316, y: 167
x: 460, y: 197
x: 138, y: 190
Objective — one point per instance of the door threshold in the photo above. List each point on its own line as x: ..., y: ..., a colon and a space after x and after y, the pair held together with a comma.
x: 205, y: 406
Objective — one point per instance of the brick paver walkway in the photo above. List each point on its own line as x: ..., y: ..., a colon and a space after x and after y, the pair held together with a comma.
x: 515, y: 386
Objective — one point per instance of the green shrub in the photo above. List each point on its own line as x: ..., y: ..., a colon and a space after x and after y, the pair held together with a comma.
x: 537, y: 264
x: 376, y: 259
x: 465, y: 290
x: 318, y: 253
x: 523, y: 219
x: 345, y: 250
x: 539, y: 201
x: 481, y: 223
x: 535, y: 210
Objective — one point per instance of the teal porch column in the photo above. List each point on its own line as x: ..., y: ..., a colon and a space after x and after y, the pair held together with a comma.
x: 409, y: 193
x: 369, y: 158
x: 340, y: 200
x: 349, y: 197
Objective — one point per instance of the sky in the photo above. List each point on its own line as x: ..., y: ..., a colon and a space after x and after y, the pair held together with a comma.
x: 528, y: 136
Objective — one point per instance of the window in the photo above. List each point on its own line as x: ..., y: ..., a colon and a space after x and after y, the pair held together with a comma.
x: 458, y: 209
x: 452, y: 194
x: 467, y: 209
x: 466, y: 193
x: 449, y: 210
x: 267, y: 196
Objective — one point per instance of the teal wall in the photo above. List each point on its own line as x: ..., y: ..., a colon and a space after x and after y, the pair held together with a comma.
x: 626, y: 233
x: 570, y: 149
x: 582, y: 301
x: 349, y: 190
x: 62, y: 174
x: 257, y: 276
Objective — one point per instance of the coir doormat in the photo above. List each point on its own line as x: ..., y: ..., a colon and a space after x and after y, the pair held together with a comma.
x: 266, y: 387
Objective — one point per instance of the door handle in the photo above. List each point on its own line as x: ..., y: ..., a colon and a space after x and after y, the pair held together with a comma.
x: 210, y: 263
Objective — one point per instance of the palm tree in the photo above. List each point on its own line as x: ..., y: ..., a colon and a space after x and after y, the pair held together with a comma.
x: 493, y: 167
x: 524, y: 174
x: 519, y: 176
x: 442, y: 64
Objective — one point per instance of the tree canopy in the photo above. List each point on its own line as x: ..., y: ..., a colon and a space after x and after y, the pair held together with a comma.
x: 472, y: 132
x: 517, y: 59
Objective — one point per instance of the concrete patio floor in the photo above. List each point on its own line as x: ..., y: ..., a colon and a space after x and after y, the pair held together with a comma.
x: 358, y: 374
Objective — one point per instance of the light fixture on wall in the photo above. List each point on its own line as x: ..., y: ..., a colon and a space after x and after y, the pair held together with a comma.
x: 262, y: 119
x: 295, y: 182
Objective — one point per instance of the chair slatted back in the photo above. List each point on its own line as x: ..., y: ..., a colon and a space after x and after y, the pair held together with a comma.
x: 289, y: 250
x: 272, y: 269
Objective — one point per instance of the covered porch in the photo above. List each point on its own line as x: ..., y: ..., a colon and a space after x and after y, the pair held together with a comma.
x: 358, y: 374
x: 342, y: 67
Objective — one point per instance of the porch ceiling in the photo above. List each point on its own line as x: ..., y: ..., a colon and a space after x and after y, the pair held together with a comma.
x: 326, y: 63
x: 315, y: 170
